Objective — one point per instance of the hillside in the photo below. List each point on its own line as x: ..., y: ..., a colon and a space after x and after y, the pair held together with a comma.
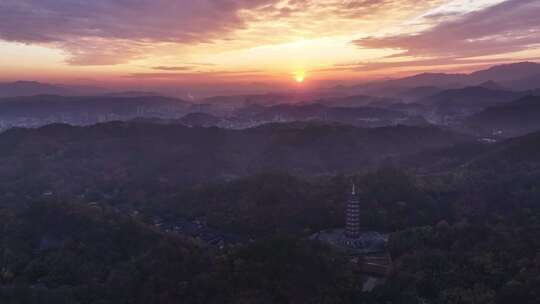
x: 39, y: 110
x: 471, y: 98
x: 511, y: 119
x: 70, y: 253
x: 514, y: 76
x: 47, y: 105
x: 520, y: 151
x: 200, y: 120
x: 507, y: 72
x: 67, y: 160
x: 355, y: 101
x: 30, y: 88
x: 360, y: 116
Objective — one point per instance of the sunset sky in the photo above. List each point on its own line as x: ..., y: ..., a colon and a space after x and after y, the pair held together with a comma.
x: 201, y: 42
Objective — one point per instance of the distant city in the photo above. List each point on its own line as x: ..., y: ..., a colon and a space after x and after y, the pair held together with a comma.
x: 462, y: 102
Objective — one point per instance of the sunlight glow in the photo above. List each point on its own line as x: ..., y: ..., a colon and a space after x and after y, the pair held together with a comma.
x: 299, y: 76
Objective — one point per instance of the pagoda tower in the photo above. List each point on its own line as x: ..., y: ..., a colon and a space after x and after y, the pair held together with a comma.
x: 352, y: 216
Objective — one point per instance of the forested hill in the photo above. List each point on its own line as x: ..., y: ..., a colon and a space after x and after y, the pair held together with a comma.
x: 470, y: 236
x: 515, y: 151
x: 510, y: 119
x: 62, y: 158
x: 68, y: 253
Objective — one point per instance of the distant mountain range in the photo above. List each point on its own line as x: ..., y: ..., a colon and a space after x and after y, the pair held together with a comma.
x: 476, y: 96
x: 228, y: 104
x: 510, y: 119
x: 515, y: 76
x: 437, y: 98
x: 30, y: 88
x: 457, y: 104
x: 66, y: 158
x: 39, y: 110
x: 355, y: 101
x: 506, y: 73
x: 45, y: 105
x: 361, y: 116
x: 198, y: 119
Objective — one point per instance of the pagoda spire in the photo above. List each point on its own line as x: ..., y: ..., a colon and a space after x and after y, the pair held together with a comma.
x: 352, y: 215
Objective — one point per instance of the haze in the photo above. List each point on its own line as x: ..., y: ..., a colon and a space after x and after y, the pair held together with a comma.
x: 245, y: 46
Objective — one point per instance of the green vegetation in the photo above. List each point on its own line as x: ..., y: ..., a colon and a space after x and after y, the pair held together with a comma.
x: 58, y: 253
x: 468, y: 235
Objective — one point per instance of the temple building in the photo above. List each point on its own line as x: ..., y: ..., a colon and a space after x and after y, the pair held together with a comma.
x: 366, y: 248
x: 353, y: 237
x: 352, y: 216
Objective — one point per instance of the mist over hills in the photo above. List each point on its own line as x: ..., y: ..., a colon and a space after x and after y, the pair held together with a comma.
x: 68, y: 159
x: 453, y: 105
x: 39, y: 110
x: 149, y: 197
x: 511, y: 119
x: 29, y: 88
x: 270, y: 152
x: 507, y: 74
x: 362, y: 116
x: 515, y: 76
x: 472, y: 97
x: 449, y: 100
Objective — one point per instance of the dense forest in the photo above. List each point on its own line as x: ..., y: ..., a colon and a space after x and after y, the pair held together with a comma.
x: 70, y: 161
x: 269, y: 151
x: 78, y: 214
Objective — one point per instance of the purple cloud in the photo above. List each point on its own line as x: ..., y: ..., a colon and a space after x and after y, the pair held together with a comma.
x: 94, y: 32
x: 507, y: 27
x: 173, y: 68
x: 97, y: 31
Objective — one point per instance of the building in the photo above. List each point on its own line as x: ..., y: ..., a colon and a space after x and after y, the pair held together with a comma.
x: 353, y: 238
x: 367, y: 249
x: 352, y: 216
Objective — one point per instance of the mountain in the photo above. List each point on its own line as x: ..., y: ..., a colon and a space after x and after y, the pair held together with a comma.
x: 227, y: 104
x: 200, y: 120
x: 452, y: 106
x: 132, y: 94
x: 512, y: 152
x: 361, y: 116
x: 355, y: 101
x: 29, y: 88
x: 511, y: 119
x: 395, y: 87
x: 471, y: 97
x: 428, y: 79
x: 514, y: 76
x: 43, y: 109
x: 527, y: 83
x: 66, y: 159
x: 492, y: 85
x: 417, y: 93
x: 506, y: 72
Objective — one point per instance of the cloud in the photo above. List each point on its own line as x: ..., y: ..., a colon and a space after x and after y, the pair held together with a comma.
x: 186, y: 74
x: 105, y: 32
x: 158, y: 20
x: 442, y: 64
x: 510, y: 26
x: 173, y: 68
x: 112, y: 31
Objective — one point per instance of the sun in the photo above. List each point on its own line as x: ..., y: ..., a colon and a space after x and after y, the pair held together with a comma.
x: 299, y: 76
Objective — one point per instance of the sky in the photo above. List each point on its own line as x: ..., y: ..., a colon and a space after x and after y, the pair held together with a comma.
x: 258, y: 43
